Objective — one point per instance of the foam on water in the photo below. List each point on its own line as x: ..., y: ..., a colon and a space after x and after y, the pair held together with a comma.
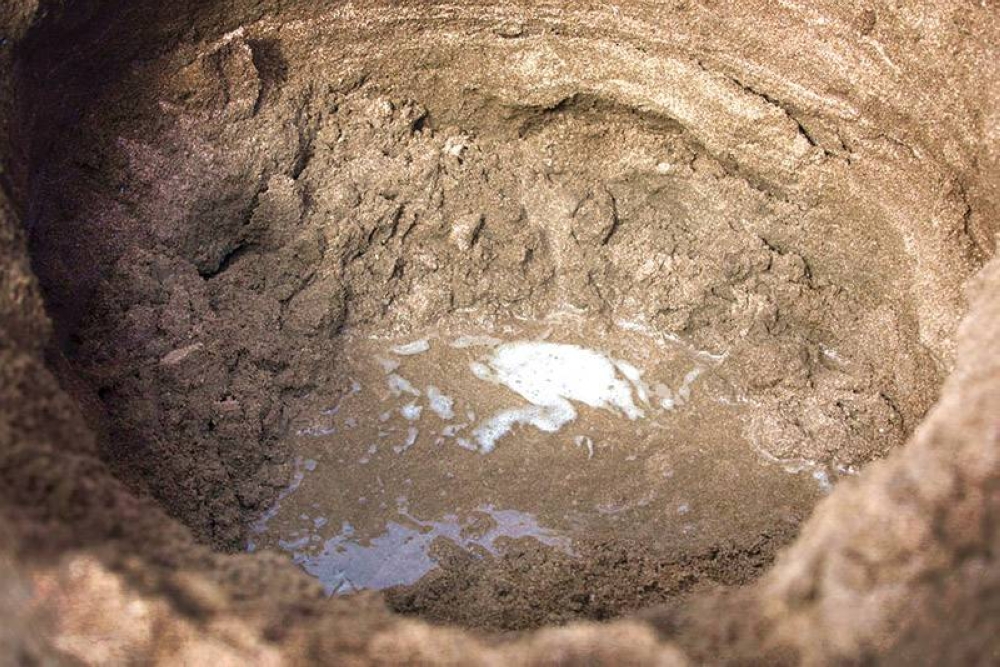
x: 634, y: 376
x: 411, y: 411
x: 550, y: 376
x: 441, y: 404
x: 551, y: 379
x: 531, y: 377
x: 412, y: 433
x: 399, y: 385
x: 416, y: 347
x: 547, y: 373
x: 548, y: 418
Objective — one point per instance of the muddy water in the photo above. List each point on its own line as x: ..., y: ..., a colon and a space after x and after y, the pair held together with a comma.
x: 560, y: 431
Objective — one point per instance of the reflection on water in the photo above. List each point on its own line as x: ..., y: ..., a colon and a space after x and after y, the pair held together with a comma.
x: 401, y: 554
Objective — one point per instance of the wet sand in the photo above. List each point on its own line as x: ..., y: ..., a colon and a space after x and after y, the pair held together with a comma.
x: 564, y: 431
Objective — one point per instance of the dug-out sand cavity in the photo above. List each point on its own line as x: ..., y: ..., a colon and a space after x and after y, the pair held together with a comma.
x: 562, y: 434
x: 388, y: 209
x: 225, y: 226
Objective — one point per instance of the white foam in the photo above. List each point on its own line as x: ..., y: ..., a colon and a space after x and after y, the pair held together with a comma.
x: 549, y: 376
x: 685, y: 391
x: 411, y: 411
x: 846, y: 469
x: 831, y: 353
x: 399, y: 385
x: 630, y: 325
x: 645, y: 329
x: 466, y: 444
x: 663, y: 337
x: 441, y: 404
x: 463, y: 342
x: 634, y: 376
x: 452, y: 429
x: 548, y: 418
x: 411, y: 438
x: 416, y: 347
x: 585, y: 441
x: 822, y: 477
x: 317, y: 431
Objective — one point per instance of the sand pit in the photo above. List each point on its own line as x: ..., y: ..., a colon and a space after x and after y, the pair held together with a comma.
x: 438, y: 333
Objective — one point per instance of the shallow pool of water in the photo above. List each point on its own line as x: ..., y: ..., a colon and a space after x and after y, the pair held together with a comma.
x: 556, y: 431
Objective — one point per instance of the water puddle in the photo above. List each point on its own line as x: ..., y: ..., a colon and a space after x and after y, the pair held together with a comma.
x: 557, y: 432
x: 402, y: 552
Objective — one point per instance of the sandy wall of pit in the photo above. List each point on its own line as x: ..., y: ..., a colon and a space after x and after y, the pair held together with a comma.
x: 223, y: 207
x: 920, y: 559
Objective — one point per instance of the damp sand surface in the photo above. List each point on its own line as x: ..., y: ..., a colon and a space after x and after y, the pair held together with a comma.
x: 566, y: 432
